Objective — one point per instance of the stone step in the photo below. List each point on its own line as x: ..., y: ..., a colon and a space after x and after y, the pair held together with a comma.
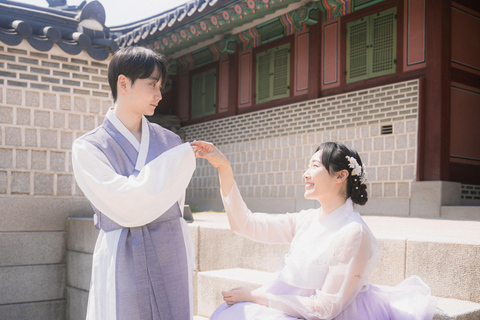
x: 199, y: 318
x: 48, y: 310
x: 460, y: 212
x: 212, y: 283
x: 36, y: 283
x: 444, y: 254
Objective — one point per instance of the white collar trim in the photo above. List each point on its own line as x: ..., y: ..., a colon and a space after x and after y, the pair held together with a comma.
x: 142, y: 148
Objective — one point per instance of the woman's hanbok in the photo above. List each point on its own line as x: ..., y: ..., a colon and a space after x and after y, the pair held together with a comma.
x: 325, y: 274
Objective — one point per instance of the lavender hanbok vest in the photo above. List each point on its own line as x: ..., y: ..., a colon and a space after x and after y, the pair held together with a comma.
x: 151, y: 266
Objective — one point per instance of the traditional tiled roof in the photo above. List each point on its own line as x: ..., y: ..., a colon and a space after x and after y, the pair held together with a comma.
x: 73, y: 29
x: 135, y: 32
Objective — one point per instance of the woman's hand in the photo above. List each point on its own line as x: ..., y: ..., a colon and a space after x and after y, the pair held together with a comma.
x: 244, y: 295
x: 208, y: 151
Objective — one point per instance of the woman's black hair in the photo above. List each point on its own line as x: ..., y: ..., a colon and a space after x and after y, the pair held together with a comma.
x: 334, y: 159
x: 135, y: 63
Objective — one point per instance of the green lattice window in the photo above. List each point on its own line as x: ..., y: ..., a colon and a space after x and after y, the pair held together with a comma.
x: 371, y: 46
x: 204, y: 93
x: 273, y: 74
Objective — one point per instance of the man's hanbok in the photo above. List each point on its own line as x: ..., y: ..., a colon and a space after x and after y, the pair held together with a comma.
x: 325, y: 274
x: 143, y: 258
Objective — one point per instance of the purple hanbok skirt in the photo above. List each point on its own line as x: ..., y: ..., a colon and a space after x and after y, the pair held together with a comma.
x: 410, y: 300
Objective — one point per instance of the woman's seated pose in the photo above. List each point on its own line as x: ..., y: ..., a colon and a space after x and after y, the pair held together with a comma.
x: 332, y: 250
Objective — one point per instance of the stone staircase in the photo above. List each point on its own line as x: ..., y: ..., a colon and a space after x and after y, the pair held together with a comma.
x: 445, y: 253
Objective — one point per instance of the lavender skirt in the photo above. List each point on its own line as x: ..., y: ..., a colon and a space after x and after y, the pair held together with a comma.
x: 410, y: 300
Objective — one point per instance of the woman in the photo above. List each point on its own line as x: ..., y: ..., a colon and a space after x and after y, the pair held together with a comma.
x: 332, y: 253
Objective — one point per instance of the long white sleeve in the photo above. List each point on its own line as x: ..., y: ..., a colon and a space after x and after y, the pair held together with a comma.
x: 260, y: 227
x: 133, y: 201
x: 346, y: 276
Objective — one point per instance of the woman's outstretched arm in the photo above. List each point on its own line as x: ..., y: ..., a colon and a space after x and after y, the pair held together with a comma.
x: 255, y: 226
x: 208, y: 151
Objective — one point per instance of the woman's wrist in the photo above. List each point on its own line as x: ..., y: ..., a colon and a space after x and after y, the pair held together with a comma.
x: 260, y: 298
x: 225, y: 174
x: 225, y: 168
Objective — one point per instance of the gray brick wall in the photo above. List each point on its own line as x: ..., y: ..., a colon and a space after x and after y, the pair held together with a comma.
x: 46, y: 101
x: 269, y: 149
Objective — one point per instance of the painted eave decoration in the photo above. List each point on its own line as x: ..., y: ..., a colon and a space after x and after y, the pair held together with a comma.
x: 199, y: 23
x: 72, y: 28
x: 219, y: 26
x: 202, y: 31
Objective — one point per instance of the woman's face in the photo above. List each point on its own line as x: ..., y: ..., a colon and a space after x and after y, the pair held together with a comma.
x: 318, y: 181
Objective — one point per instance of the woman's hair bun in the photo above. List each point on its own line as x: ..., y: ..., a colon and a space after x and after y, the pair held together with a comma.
x: 336, y: 157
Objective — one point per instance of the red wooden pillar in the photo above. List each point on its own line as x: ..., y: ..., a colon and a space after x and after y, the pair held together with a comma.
x: 245, y: 79
x: 434, y: 142
x: 330, y: 54
x: 315, y: 46
x: 302, y: 63
x: 223, y: 85
x: 233, y: 95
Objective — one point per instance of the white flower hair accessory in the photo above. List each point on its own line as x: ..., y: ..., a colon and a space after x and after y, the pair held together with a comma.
x: 364, y: 177
x: 357, y: 170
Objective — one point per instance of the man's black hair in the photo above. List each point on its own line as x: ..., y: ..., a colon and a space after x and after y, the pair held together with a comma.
x: 135, y: 63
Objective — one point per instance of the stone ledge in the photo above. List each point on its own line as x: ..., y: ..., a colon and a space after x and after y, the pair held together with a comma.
x: 40, y: 214
x: 460, y: 212
x: 454, y: 309
x: 79, y: 270
x: 82, y: 234
x: 385, y: 207
x: 32, y: 248
x: 429, y: 196
x: 45, y: 310
x: 76, y: 301
x: 223, y: 249
x: 450, y: 269
x: 32, y: 283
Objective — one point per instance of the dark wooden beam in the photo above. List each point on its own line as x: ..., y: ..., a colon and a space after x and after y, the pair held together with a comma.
x: 471, y: 4
x: 436, y: 136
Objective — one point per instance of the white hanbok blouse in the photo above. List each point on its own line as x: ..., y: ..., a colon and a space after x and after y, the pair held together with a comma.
x: 333, y: 256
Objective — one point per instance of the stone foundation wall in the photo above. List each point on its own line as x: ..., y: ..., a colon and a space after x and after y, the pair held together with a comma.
x: 269, y: 149
x: 470, y: 194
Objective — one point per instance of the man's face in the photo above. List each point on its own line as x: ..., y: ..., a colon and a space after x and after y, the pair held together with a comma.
x: 145, y: 94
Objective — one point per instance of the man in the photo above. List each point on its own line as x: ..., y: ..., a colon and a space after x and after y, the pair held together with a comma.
x: 135, y: 174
